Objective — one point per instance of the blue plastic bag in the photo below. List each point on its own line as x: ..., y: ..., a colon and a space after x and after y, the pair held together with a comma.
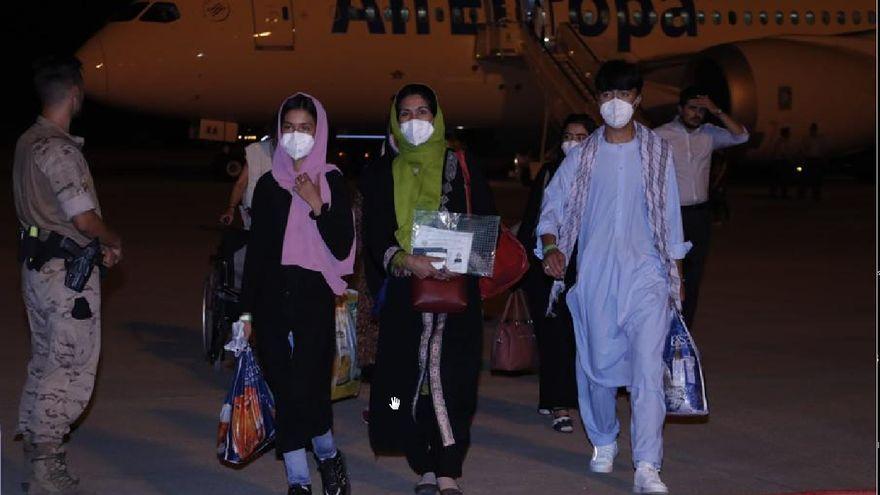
x: 247, y: 419
x: 683, y: 383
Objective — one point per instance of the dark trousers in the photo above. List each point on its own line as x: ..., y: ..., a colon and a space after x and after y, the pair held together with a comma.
x: 425, y: 452
x: 697, y: 222
x: 556, y: 345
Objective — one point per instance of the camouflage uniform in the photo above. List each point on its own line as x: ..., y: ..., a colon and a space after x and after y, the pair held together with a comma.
x: 52, y: 184
x: 65, y: 346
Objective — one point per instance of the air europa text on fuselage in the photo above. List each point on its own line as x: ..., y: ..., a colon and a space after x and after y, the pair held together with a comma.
x: 679, y: 19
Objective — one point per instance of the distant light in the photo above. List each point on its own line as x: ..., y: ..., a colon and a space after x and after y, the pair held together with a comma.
x: 264, y: 34
x: 341, y: 154
x: 516, y: 161
x: 799, y: 168
x: 265, y: 138
x: 240, y: 137
x: 366, y: 155
x: 375, y: 137
x: 546, y: 40
x: 200, y: 55
x: 100, y: 66
x: 460, y: 127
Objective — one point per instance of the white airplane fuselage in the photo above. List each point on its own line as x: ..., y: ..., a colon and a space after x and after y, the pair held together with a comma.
x: 235, y: 60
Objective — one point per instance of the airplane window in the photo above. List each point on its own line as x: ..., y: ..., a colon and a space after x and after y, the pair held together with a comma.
x: 573, y: 15
x: 795, y: 18
x: 685, y: 18
x: 163, y: 12
x: 473, y: 15
x: 872, y: 17
x: 716, y: 18
x: 856, y: 17
x: 764, y: 17
x: 129, y: 12
x: 747, y: 17
x: 404, y: 14
x: 636, y: 18
x: 439, y: 14
x: 371, y: 13
x: 422, y: 13
x: 701, y: 17
x: 826, y: 17
x: 652, y: 18
x: 841, y: 17
x: 668, y: 18
x: 457, y: 15
x: 780, y: 17
x: 731, y: 18
x: 388, y: 14
x: 810, y: 17
x: 589, y: 18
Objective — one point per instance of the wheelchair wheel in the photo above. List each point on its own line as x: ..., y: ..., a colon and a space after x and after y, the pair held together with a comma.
x: 208, y: 318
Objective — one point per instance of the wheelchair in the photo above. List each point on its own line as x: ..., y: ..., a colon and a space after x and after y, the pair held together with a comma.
x: 220, y: 295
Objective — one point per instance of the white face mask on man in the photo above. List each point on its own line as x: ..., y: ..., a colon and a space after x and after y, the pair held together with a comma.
x: 417, y: 131
x: 297, y: 144
x: 567, y: 146
x: 617, y: 113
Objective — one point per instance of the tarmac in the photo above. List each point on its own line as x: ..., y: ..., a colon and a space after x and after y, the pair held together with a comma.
x: 786, y: 329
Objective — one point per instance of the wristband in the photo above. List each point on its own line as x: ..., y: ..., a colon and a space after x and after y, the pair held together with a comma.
x: 548, y: 248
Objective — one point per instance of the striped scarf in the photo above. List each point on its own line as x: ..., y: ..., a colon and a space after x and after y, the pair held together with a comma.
x: 656, y: 157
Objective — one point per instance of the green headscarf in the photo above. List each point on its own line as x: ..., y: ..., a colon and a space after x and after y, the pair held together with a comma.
x: 418, y: 175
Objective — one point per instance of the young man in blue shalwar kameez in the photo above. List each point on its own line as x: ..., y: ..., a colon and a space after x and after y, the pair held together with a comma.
x: 615, y: 200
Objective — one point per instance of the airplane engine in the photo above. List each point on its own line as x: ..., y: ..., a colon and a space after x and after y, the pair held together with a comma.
x: 773, y: 84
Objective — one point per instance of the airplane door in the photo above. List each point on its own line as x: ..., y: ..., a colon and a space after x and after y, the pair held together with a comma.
x: 273, y: 24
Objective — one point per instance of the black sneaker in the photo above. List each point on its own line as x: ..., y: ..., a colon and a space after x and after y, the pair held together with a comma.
x: 334, y: 475
x: 300, y: 490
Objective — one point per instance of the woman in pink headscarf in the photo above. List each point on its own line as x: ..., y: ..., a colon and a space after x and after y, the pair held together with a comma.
x: 302, y: 244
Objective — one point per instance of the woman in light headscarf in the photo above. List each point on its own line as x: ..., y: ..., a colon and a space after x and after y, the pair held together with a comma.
x: 424, y: 389
x: 302, y: 244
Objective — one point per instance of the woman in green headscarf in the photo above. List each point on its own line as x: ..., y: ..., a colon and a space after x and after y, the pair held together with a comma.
x: 428, y: 420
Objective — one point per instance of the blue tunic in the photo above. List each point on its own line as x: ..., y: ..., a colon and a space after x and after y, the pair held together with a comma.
x: 619, y: 303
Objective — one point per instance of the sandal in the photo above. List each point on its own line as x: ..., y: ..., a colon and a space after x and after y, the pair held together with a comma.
x: 426, y: 489
x: 563, y: 424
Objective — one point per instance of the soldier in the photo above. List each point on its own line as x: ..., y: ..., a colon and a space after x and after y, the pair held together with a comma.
x: 60, y: 221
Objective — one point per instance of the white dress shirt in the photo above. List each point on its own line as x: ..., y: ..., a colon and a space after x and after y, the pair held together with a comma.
x: 692, y: 151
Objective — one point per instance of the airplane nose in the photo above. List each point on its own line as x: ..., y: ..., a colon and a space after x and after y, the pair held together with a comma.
x: 95, y: 66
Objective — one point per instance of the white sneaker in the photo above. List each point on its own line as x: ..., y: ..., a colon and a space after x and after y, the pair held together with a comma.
x: 647, y: 480
x: 603, y: 458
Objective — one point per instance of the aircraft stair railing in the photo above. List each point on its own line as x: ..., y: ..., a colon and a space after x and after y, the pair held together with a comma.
x: 563, y: 67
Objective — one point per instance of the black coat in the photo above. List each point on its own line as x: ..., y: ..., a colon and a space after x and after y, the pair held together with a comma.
x: 397, y: 362
x: 285, y: 299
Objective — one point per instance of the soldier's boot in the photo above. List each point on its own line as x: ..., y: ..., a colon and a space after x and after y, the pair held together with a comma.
x: 50, y: 475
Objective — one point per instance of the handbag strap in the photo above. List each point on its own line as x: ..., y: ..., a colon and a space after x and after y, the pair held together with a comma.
x: 525, y: 306
x: 466, y: 175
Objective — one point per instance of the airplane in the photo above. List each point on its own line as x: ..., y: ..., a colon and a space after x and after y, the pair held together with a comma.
x: 515, y: 64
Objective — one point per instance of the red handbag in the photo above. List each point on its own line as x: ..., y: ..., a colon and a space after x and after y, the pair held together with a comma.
x: 514, y: 347
x: 430, y: 295
x: 511, y: 262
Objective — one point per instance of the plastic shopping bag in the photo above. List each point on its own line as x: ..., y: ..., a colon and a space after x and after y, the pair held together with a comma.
x: 247, y: 419
x: 683, y: 382
x: 346, y: 371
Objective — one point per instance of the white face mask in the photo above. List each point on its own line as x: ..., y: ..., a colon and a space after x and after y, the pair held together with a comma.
x: 617, y: 113
x: 297, y: 144
x: 417, y: 131
x: 567, y: 146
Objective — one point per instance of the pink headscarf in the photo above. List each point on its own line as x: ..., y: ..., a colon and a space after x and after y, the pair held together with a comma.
x: 303, y: 244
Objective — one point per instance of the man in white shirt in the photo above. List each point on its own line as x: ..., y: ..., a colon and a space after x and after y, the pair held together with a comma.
x: 693, y: 141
